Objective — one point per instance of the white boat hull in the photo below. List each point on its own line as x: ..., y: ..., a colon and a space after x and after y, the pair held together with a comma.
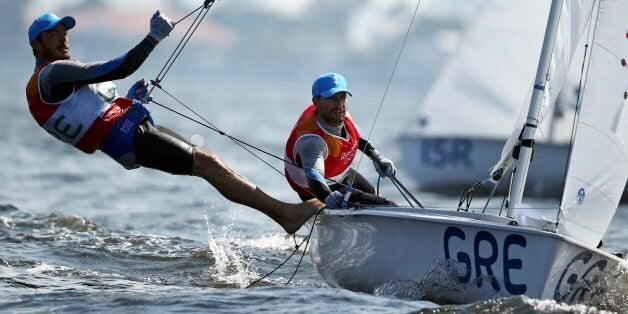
x: 450, y: 164
x: 445, y: 257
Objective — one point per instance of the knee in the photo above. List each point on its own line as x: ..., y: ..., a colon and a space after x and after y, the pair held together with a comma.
x: 205, y: 160
x: 203, y: 154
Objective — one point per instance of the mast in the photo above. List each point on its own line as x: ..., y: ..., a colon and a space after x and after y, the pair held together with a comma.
x: 527, y: 137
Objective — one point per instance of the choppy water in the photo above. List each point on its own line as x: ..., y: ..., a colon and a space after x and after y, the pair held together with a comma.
x: 68, y: 263
x: 79, y: 233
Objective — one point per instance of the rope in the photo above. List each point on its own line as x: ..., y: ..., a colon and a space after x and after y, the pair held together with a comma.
x: 290, y: 256
x: 276, y: 268
x: 194, y: 27
x: 204, y: 9
x: 185, y: 17
x: 400, y: 192
x: 309, y: 236
x: 212, y: 127
x: 236, y: 140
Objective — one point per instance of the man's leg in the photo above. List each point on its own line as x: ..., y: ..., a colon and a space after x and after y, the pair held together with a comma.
x: 238, y: 189
x: 359, y: 181
x: 165, y: 150
x: 362, y: 184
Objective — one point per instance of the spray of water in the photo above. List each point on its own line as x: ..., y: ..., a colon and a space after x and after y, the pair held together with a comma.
x: 614, y: 296
x: 230, y: 267
x: 609, y: 292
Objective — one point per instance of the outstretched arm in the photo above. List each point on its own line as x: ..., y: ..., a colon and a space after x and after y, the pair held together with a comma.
x: 58, y: 79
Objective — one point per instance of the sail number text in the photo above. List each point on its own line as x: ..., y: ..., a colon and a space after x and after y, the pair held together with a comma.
x: 482, y: 262
x: 445, y: 152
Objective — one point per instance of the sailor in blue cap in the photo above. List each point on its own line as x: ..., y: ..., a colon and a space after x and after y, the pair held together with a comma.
x: 58, y: 49
x: 78, y: 104
x: 323, y: 144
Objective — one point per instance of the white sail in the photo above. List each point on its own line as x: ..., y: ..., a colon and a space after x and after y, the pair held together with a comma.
x: 574, y: 21
x: 485, y: 83
x: 598, y: 168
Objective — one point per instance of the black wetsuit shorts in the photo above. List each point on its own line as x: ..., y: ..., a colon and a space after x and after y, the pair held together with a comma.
x: 160, y: 148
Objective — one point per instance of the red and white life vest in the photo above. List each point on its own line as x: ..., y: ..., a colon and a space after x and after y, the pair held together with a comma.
x: 84, y: 118
x: 340, y: 151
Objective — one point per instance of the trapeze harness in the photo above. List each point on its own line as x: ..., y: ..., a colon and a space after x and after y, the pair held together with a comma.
x: 94, y: 117
x: 340, y: 151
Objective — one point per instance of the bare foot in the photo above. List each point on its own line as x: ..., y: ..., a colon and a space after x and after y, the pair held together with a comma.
x: 298, y: 214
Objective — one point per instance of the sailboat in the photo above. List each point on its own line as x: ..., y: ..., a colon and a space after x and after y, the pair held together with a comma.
x: 459, y: 256
x: 450, y: 145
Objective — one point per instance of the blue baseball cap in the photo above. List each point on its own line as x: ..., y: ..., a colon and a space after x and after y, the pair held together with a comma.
x: 48, y: 21
x: 329, y: 84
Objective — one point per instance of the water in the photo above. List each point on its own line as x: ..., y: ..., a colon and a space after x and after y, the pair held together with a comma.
x: 80, y: 233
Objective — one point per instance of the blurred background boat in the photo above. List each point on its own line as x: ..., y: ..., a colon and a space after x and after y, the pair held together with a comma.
x: 467, y: 113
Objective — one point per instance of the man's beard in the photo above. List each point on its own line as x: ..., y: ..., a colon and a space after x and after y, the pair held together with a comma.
x: 51, y: 55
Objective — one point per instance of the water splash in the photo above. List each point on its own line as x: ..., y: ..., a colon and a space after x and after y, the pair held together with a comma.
x: 519, y: 304
x: 445, y: 278
x: 229, y: 267
x: 274, y: 242
x: 614, y: 297
x: 442, y: 284
x: 551, y: 306
x: 402, y: 289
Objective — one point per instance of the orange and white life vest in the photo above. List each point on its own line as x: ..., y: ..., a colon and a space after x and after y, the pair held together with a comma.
x: 84, y: 118
x: 340, y: 151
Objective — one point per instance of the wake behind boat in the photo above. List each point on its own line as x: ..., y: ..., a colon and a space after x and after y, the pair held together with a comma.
x: 456, y: 256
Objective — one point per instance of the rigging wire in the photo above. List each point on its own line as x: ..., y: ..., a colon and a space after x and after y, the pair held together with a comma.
x: 166, y: 68
x: 182, y: 43
x: 186, y: 37
x: 242, y: 144
x: 491, y: 196
x: 212, y: 127
x: 381, y: 104
x: 193, y: 27
x: 185, y: 17
x: 398, y: 189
